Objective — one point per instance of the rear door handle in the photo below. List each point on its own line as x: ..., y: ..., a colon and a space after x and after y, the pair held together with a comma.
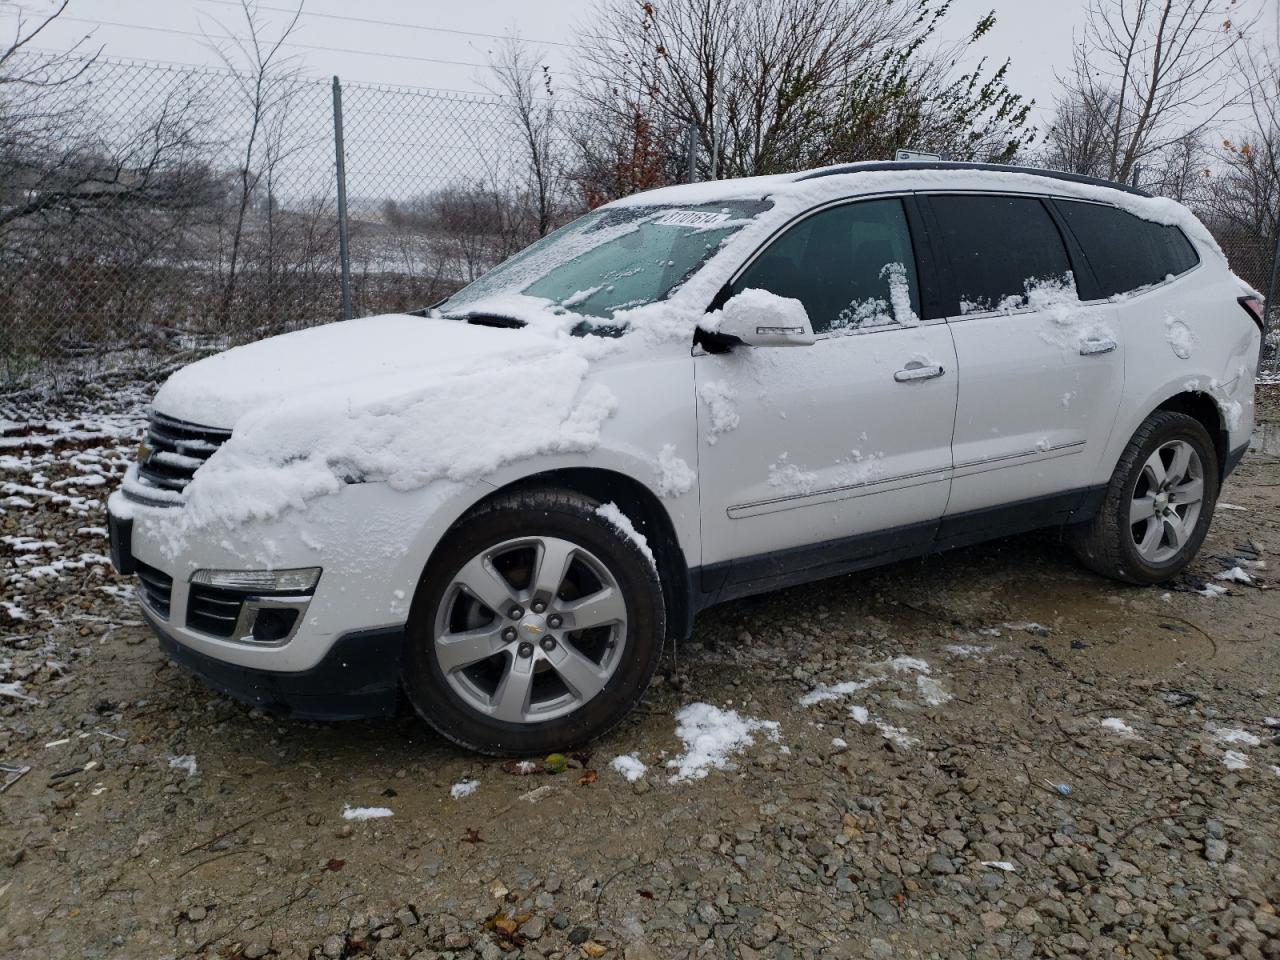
x: 1094, y: 346
x: 919, y: 371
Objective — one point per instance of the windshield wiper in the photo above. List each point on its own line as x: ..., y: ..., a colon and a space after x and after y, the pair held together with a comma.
x: 489, y: 320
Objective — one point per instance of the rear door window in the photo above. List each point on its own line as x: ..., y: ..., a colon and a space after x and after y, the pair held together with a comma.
x: 851, y: 266
x: 1000, y: 250
x: 1126, y: 252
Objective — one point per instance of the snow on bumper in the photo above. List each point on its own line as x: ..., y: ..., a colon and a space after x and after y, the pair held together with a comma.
x: 371, y: 543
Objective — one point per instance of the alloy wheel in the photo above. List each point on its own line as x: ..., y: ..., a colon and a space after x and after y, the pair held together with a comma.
x: 1166, y: 501
x: 530, y: 629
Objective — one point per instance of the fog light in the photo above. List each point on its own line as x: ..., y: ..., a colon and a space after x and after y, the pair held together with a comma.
x: 302, y: 580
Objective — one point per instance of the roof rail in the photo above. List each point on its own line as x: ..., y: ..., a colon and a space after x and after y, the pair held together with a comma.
x: 874, y: 165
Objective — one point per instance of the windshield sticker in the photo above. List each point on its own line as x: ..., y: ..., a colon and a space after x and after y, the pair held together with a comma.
x: 690, y: 218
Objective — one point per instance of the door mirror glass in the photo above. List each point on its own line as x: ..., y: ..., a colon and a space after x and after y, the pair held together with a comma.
x: 759, y: 318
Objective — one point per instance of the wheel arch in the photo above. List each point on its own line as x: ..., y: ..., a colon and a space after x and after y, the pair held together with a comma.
x: 1202, y: 407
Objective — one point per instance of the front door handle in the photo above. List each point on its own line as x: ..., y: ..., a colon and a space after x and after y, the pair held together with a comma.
x: 1095, y: 345
x: 919, y: 371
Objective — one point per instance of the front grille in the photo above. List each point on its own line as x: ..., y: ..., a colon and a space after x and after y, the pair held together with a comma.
x: 213, y: 611
x: 156, y: 588
x: 177, y: 450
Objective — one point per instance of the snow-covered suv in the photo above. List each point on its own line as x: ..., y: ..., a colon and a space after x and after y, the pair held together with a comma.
x: 503, y: 505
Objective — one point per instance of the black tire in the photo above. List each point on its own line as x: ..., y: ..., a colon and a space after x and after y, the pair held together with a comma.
x: 535, y: 512
x: 1106, y: 543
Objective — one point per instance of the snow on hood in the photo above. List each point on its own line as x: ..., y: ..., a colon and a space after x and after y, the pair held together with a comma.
x: 352, y: 360
x: 400, y: 399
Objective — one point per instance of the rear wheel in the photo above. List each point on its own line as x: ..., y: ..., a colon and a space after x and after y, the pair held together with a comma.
x: 537, y: 626
x: 1158, y: 505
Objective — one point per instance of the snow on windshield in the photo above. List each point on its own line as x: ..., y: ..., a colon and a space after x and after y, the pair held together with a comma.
x: 610, y: 260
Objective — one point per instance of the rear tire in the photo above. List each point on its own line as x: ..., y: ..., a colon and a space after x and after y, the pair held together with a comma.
x: 568, y: 641
x: 1158, y: 505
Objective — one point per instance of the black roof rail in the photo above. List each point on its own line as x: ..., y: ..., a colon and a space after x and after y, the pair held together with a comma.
x: 874, y: 165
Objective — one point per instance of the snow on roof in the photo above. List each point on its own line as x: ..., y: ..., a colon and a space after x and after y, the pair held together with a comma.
x: 796, y: 192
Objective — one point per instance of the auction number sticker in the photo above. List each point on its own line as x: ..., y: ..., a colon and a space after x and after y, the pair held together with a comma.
x: 690, y: 218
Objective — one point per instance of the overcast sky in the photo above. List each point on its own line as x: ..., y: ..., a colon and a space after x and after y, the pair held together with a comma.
x: 1035, y: 34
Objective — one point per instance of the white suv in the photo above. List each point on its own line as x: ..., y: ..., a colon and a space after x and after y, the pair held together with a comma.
x: 503, y: 505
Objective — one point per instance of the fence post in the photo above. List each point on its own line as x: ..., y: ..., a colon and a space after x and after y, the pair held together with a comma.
x: 691, y: 147
x: 344, y: 239
x: 1270, y: 309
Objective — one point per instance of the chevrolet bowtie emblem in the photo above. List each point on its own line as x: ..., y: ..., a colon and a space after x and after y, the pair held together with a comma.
x: 532, y: 628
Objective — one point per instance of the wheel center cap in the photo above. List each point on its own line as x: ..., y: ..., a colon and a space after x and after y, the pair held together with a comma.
x: 1162, y: 502
x: 533, y: 627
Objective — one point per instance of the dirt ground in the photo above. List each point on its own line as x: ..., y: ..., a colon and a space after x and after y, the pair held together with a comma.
x: 1024, y: 760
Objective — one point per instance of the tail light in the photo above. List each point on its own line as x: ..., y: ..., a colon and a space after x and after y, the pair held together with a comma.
x: 1253, y: 306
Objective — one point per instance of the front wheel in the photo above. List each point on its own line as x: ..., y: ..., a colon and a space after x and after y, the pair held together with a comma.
x: 1158, y: 505
x: 536, y: 626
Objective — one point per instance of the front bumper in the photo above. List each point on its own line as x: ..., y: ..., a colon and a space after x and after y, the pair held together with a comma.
x: 342, y: 661
x: 358, y: 678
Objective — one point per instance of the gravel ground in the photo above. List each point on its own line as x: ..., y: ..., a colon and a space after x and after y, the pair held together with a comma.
x: 986, y: 754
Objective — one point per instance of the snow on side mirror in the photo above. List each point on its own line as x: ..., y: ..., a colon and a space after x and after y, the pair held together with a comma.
x: 759, y: 318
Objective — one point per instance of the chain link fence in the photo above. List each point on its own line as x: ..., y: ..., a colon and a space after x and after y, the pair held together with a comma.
x: 160, y: 212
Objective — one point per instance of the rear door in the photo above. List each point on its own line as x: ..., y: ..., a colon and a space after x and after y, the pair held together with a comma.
x: 813, y: 458
x: 1041, y: 373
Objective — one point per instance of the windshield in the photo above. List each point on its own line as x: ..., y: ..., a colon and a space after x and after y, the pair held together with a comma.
x: 614, y: 258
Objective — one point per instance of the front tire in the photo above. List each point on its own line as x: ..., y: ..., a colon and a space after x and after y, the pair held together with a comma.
x: 1158, y: 505
x: 536, y: 626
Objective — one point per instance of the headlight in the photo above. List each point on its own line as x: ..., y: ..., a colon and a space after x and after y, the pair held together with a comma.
x: 302, y: 580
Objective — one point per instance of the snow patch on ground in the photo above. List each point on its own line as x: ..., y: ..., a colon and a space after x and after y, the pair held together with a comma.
x: 834, y: 691
x: 186, y: 762
x: 931, y: 691
x: 464, y: 788
x: 630, y: 768
x: 1004, y: 865
x: 968, y: 649
x: 364, y: 813
x: 711, y: 736
x: 1118, y: 727
x: 1235, y: 760
x: 622, y: 523
x: 1212, y: 590
x: 1234, y: 735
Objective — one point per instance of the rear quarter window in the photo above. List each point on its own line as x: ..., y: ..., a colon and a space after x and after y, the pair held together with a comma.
x: 1125, y: 251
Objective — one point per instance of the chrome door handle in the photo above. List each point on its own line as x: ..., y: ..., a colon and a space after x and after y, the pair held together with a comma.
x: 925, y: 371
x: 1093, y: 346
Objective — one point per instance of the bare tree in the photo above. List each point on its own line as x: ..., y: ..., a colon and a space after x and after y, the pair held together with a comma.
x: 525, y: 85
x: 774, y: 85
x: 1147, y: 74
x: 744, y: 71
x: 1245, y: 204
x: 266, y: 78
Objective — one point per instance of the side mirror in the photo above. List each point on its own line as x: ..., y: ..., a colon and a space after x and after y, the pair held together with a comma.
x: 759, y: 318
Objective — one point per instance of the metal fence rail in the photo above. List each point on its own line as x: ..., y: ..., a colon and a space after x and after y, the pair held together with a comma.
x: 167, y: 210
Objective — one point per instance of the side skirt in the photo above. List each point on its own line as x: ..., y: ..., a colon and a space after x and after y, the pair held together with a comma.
x: 761, y: 573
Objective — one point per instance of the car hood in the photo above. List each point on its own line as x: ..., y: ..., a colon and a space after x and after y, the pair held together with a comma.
x: 348, y: 363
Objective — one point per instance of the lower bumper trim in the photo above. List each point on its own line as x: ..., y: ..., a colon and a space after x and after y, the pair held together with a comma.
x: 359, y: 678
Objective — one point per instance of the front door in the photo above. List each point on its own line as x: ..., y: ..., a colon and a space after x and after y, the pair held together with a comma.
x: 815, y: 457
